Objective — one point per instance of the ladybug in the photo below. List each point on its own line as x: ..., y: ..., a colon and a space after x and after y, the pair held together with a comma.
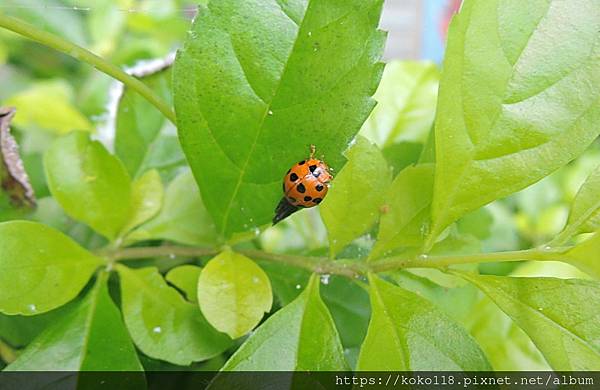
x: 304, y: 185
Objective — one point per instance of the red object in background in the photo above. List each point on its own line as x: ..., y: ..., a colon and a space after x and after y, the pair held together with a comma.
x: 452, y: 7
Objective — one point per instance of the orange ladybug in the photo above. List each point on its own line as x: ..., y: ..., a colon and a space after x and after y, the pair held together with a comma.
x: 304, y: 185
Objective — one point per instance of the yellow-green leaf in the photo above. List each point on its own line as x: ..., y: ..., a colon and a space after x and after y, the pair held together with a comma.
x: 353, y: 202
x: 40, y: 268
x: 234, y: 293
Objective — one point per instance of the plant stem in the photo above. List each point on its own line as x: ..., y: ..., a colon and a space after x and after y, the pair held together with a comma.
x: 345, y: 267
x: 55, y: 42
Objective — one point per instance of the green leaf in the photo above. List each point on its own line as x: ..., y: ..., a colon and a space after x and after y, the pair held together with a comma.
x: 40, y: 268
x: 586, y: 256
x: 19, y: 331
x: 352, y: 204
x: 506, y: 346
x: 234, y: 293
x: 183, y: 217
x: 185, y: 278
x: 139, y: 124
x: 256, y: 83
x: 406, y: 100
x: 405, y: 209
x: 162, y: 323
x: 89, y: 183
x: 56, y: 115
x: 407, y: 332
x: 515, y: 103
x: 585, y: 211
x: 146, y: 199
x: 89, y: 337
x: 561, y: 316
x: 287, y: 341
x: 16, y: 191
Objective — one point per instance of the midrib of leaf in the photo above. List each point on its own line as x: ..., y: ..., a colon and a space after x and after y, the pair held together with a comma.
x: 388, y: 319
x: 538, y: 314
x: 90, y: 316
x: 264, y: 116
x: 308, y: 291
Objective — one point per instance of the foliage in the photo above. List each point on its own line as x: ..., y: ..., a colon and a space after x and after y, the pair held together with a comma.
x: 128, y: 241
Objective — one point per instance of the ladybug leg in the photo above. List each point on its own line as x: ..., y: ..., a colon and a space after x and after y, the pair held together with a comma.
x: 313, y: 149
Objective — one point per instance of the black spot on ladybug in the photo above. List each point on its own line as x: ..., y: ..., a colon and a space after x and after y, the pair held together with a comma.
x: 301, y: 162
x: 293, y: 177
x: 307, y: 198
x: 317, y: 200
x: 301, y: 189
x: 319, y: 187
x: 312, y: 168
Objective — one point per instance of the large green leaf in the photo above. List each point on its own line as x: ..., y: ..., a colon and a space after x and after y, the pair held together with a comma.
x: 258, y: 82
x: 162, y: 323
x: 585, y: 211
x: 138, y: 123
x: 518, y: 99
x: 89, y: 183
x: 16, y: 191
x: 183, y: 217
x: 407, y: 332
x: 234, y: 293
x: 406, y: 100
x: 91, y: 336
x: 40, y: 268
x: 406, y: 209
x: 560, y: 316
x: 301, y: 336
x: 352, y: 204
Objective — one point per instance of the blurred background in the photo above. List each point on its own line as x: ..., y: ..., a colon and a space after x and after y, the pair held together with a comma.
x: 56, y: 94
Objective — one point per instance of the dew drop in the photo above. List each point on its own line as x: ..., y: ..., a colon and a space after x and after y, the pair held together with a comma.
x: 310, y: 33
x: 546, y: 248
x: 270, y: 112
x: 423, y: 257
x: 540, y: 309
x: 157, y: 329
x: 32, y: 308
x: 298, y: 287
x: 255, y: 280
x: 256, y: 232
x: 171, y: 256
x: 325, y: 278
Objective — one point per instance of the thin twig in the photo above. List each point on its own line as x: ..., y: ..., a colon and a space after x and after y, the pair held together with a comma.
x: 55, y: 42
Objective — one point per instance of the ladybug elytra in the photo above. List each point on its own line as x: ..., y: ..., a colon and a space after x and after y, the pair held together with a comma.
x: 304, y: 185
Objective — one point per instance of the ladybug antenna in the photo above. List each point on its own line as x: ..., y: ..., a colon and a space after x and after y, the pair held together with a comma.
x: 313, y: 150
